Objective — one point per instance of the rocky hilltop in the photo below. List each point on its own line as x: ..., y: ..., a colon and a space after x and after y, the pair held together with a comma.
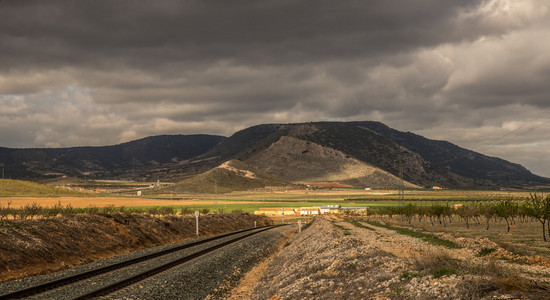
x: 367, y: 154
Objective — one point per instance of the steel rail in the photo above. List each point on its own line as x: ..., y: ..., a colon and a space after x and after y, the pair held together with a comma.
x: 152, y: 272
x: 50, y: 285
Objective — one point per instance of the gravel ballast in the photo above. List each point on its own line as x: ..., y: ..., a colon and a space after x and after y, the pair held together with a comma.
x: 212, y: 275
x: 260, y: 246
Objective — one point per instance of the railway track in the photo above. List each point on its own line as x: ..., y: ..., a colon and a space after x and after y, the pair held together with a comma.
x: 86, y: 285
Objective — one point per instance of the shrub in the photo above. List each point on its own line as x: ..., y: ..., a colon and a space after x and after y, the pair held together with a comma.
x: 486, y: 251
x: 68, y: 210
x: 109, y: 209
x: 187, y: 211
x: 440, y: 272
x: 167, y: 210
x: 431, y: 262
x: 32, y: 210
x: 153, y: 211
x: 92, y: 210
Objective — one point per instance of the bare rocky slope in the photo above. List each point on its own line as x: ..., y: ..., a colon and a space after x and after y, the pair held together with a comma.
x: 304, y: 162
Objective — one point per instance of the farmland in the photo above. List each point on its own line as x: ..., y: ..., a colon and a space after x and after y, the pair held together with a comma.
x: 379, y: 201
x: 438, y: 220
x: 246, y: 201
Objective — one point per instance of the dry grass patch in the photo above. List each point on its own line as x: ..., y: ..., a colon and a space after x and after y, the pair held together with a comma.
x: 479, y: 279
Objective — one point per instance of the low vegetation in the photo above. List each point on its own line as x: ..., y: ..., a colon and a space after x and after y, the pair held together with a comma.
x: 345, y: 231
x: 427, y: 237
x: 487, y: 276
x: 36, y: 211
x: 358, y: 224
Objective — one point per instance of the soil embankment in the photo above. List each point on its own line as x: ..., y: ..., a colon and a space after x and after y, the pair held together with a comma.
x: 33, y: 247
x: 353, y: 259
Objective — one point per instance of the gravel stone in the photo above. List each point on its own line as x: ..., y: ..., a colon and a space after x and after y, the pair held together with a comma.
x: 213, y: 274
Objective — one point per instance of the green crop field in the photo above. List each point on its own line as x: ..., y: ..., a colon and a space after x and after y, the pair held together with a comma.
x: 19, y: 188
x: 250, y: 201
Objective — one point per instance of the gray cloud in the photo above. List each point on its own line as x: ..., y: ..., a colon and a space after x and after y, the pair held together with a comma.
x: 104, y: 72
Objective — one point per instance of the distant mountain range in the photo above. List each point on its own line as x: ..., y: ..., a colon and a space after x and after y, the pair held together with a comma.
x: 366, y: 154
x: 133, y: 160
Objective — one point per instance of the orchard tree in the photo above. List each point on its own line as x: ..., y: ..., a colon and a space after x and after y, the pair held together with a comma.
x: 538, y: 207
x: 506, y: 210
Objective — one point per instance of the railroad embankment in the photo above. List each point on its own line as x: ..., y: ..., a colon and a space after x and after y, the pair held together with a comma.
x: 357, y: 259
x: 40, y: 246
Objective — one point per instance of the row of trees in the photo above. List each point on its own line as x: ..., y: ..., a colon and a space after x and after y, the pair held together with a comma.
x: 35, y: 210
x: 535, y: 207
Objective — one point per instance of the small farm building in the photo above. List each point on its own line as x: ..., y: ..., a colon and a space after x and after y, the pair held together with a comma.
x: 330, y: 209
x: 275, y: 211
x: 308, y: 211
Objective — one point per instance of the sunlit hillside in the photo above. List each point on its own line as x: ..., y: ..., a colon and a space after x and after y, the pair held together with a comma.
x: 20, y: 188
x: 230, y: 176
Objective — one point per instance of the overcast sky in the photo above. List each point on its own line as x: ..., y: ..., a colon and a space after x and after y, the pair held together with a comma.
x: 475, y: 73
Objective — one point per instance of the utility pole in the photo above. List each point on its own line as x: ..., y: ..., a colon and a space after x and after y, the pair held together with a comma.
x: 216, y: 193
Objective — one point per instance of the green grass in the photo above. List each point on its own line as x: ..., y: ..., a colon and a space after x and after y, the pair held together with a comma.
x: 358, y: 224
x: 19, y: 188
x: 429, y: 238
x: 372, y: 198
x: 344, y: 229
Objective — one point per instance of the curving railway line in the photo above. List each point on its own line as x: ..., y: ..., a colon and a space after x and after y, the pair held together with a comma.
x: 111, y: 278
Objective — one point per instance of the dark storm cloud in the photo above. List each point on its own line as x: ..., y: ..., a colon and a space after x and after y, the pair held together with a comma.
x: 153, y: 34
x: 103, y: 72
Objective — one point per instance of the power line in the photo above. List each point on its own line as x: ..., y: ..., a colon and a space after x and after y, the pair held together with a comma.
x: 530, y: 124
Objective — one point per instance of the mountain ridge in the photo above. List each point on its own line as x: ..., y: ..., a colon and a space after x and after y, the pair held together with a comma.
x: 354, y: 147
x: 105, y: 161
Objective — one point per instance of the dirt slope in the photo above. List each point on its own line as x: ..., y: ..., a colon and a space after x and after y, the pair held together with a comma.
x: 334, y: 259
x: 33, y: 247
